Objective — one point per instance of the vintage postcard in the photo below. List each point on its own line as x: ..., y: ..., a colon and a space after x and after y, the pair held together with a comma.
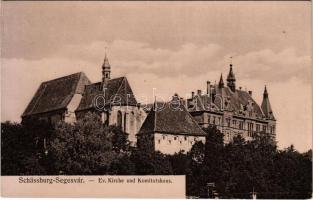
x: 156, y: 99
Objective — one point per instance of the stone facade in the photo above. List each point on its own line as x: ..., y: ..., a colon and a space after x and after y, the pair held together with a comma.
x: 233, y: 111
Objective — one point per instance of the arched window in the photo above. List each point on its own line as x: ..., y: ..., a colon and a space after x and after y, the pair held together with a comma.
x: 125, y: 122
x: 132, y: 123
x: 119, y: 119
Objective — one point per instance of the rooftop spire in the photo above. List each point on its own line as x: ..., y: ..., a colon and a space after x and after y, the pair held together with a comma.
x: 266, y: 106
x: 106, y: 70
x: 221, y: 82
x: 231, y: 80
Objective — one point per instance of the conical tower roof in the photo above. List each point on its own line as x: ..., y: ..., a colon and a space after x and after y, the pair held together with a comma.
x: 266, y: 106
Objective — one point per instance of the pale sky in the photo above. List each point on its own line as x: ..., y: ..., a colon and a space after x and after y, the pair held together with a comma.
x: 170, y: 46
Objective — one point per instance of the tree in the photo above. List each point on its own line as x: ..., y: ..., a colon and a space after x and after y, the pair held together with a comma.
x: 22, y: 147
x: 84, y: 148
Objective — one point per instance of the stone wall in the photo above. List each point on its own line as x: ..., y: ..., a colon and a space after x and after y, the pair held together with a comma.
x: 170, y: 144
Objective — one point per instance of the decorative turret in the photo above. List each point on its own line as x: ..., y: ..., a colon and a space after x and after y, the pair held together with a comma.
x: 231, y: 80
x: 221, y: 82
x: 266, y: 106
x: 106, y: 72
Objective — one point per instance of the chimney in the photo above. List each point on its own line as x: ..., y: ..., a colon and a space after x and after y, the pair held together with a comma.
x: 208, y: 88
x: 199, y: 92
x: 250, y: 92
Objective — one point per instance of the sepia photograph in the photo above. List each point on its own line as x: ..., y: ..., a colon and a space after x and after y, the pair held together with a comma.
x: 192, y: 99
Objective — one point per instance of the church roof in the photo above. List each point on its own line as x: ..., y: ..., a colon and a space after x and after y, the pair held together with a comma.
x: 117, y: 88
x: 56, y: 94
x: 172, y: 119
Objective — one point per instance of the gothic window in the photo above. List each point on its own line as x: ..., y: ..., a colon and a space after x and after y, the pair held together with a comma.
x: 125, y: 121
x: 214, y: 120
x: 209, y: 119
x: 219, y: 121
x: 185, y: 137
x: 175, y: 138
x: 119, y: 119
x: 163, y: 137
x: 170, y: 141
x: 264, y: 128
x: 132, y: 122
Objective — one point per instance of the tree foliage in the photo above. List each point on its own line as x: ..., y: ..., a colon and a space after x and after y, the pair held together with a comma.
x: 87, y: 147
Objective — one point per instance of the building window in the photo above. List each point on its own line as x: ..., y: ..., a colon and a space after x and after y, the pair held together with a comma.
x: 214, y: 120
x: 159, y: 141
x: 250, y: 129
x: 163, y: 137
x: 264, y: 128
x: 234, y: 123
x: 257, y: 128
x: 119, y: 119
x: 209, y: 119
x: 185, y: 137
x: 125, y: 121
x: 228, y: 122
x: 175, y: 138
x: 170, y: 141
x: 219, y: 121
x: 241, y: 125
x: 180, y: 142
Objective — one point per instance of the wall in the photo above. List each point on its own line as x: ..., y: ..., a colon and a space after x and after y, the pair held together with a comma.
x: 167, y: 144
x: 135, y: 116
x: 71, y: 107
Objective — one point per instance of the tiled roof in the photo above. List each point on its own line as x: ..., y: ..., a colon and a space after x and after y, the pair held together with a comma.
x: 118, y: 88
x: 238, y: 102
x: 56, y: 94
x: 170, y: 118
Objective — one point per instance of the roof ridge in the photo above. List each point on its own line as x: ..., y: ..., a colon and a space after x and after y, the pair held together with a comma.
x: 66, y: 76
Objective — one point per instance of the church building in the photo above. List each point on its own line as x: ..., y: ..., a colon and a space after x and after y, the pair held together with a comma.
x: 70, y: 97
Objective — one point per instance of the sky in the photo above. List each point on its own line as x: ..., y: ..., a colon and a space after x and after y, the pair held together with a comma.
x: 174, y: 47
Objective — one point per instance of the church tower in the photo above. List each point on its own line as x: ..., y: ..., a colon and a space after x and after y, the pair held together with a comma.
x: 106, y: 72
x: 266, y: 106
x: 231, y: 80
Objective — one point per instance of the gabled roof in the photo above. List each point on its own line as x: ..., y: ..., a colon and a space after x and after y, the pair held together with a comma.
x: 171, y: 119
x: 56, y: 94
x: 117, y: 88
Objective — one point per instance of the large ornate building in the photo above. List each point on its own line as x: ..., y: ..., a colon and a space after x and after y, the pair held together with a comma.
x: 233, y: 111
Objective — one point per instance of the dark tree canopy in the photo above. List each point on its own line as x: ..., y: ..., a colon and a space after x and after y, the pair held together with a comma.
x: 87, y: 147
